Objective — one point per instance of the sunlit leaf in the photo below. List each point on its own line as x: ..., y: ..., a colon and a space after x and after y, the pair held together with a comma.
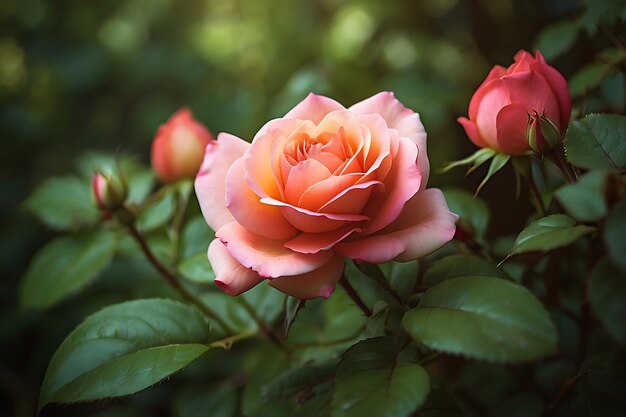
x: 486, y: 318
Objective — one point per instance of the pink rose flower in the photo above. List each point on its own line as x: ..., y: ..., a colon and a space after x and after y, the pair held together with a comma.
x: 319, y: 184
x: 499, y: 109
x: 178, y: 147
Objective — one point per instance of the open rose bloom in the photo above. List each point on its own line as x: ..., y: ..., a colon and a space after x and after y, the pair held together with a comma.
x: 320, y: 184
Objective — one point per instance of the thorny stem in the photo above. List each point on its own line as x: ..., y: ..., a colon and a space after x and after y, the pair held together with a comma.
x: 355, y: 297
x: 173, y: 281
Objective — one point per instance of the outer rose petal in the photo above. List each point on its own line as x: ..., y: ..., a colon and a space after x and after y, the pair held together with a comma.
x: 425, y: 225
x: 315, y: 242
x: 511, y: 124
x: 314, y: 108
x: 532, y: 89
x: 210, y: 182
x: 472, y: 132
x: 266, y: 256
x: 318, y: 283
x: 492, y: 97
x: 247, y: 209
x: 558, y: 84
x: 404, y: 120
x: 230, y: 275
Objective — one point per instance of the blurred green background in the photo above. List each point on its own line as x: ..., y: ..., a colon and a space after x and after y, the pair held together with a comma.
x: 84, y: 75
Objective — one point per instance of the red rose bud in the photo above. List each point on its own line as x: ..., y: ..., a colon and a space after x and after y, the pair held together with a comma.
x: 109, y: 191
x: 541, y: 133
x: 178, y: 147
x: 499, y: 109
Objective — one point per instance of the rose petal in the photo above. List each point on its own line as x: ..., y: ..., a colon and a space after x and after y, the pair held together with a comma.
x: 402, y: 183
x: 557, y: 83
x: 313, y: 108
x: 210, y: 183
x: 318, y: 283
x: 315, y: 242
x: 425, y: 225
x: 246, y: 207
x: 533, y: 90
x: 230, y: 275
x: 492, y: 97
x: 266, y: 256
x: 472, y: 132
x: 303, y: 176
x: 398, y: 117
x: 511, y: 124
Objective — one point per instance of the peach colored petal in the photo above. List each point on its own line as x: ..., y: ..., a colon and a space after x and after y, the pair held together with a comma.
x: 472, y: 132
x: 210, y: 183
x: 425, y: 225
x: 230, y: 275
x: 311, y: 221
x: 511, y: 124
x: 318, y: 283
x: 315, y: 242
x: 353, y: 199
x: 247, y: 209
x: 314, y: 108
x: 266, y: 256
x: 402, y: 183
x: 319, y: 194
x: 303, y: 176
x: 261, y: 162
x: 400, y: 118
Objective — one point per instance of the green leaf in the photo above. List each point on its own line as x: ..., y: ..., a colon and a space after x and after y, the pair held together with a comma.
x: 63, y: 203
x: 64, y: 266
x: 476, y: 159
x: 557, y: 39
x: 230, y: 309
x: 584, y: 200
x: 297, y: 382
x: 202, y: 401
x: 268, y: 302
x: 401, y: 276
x: 497, y: 163
x: 372, y: 380
x: 195, y: 238
x: 197, y: 269
x: 486, y: 318
x: 607, y: 294
x: 614, y: 232
x: 597, y: 141
x: 587, y: 78
x: 473, y: 212
x: 159, y: 211
x: 123, y: 349
x: 548, y: 233
x: 440, y: 404
x: 454, y: 266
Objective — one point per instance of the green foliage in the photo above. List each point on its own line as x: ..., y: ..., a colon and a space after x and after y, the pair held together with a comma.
x: 197, y: 269
x: 473, y: 212
x: 123, y: 349
x: 372, y: 379
x: 597, y: 142
x: 486, y: 318
x: 205, y: 400
x: 64, y: 266
x: 548, y: 233
x: 585, y: 199
x: 454, y: 266
x: 63, y: 203
x: 614, y: 234
x: 607, y: 294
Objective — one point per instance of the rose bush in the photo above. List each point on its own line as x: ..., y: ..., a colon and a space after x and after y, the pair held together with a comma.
x: 178, y: 147
x: 499, y: 109
x: 321, y: 183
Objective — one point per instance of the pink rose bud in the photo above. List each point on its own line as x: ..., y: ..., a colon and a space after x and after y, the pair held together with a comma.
x: 541, y: 133
x: 178, y: 147
x: 499, y: 109
x: 109, y: 191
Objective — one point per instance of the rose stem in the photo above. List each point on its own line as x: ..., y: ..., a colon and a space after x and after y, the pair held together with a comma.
x: 355, y: 297
x: 267, y: 330
x: 173, y: 281
x: 536, y: 195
